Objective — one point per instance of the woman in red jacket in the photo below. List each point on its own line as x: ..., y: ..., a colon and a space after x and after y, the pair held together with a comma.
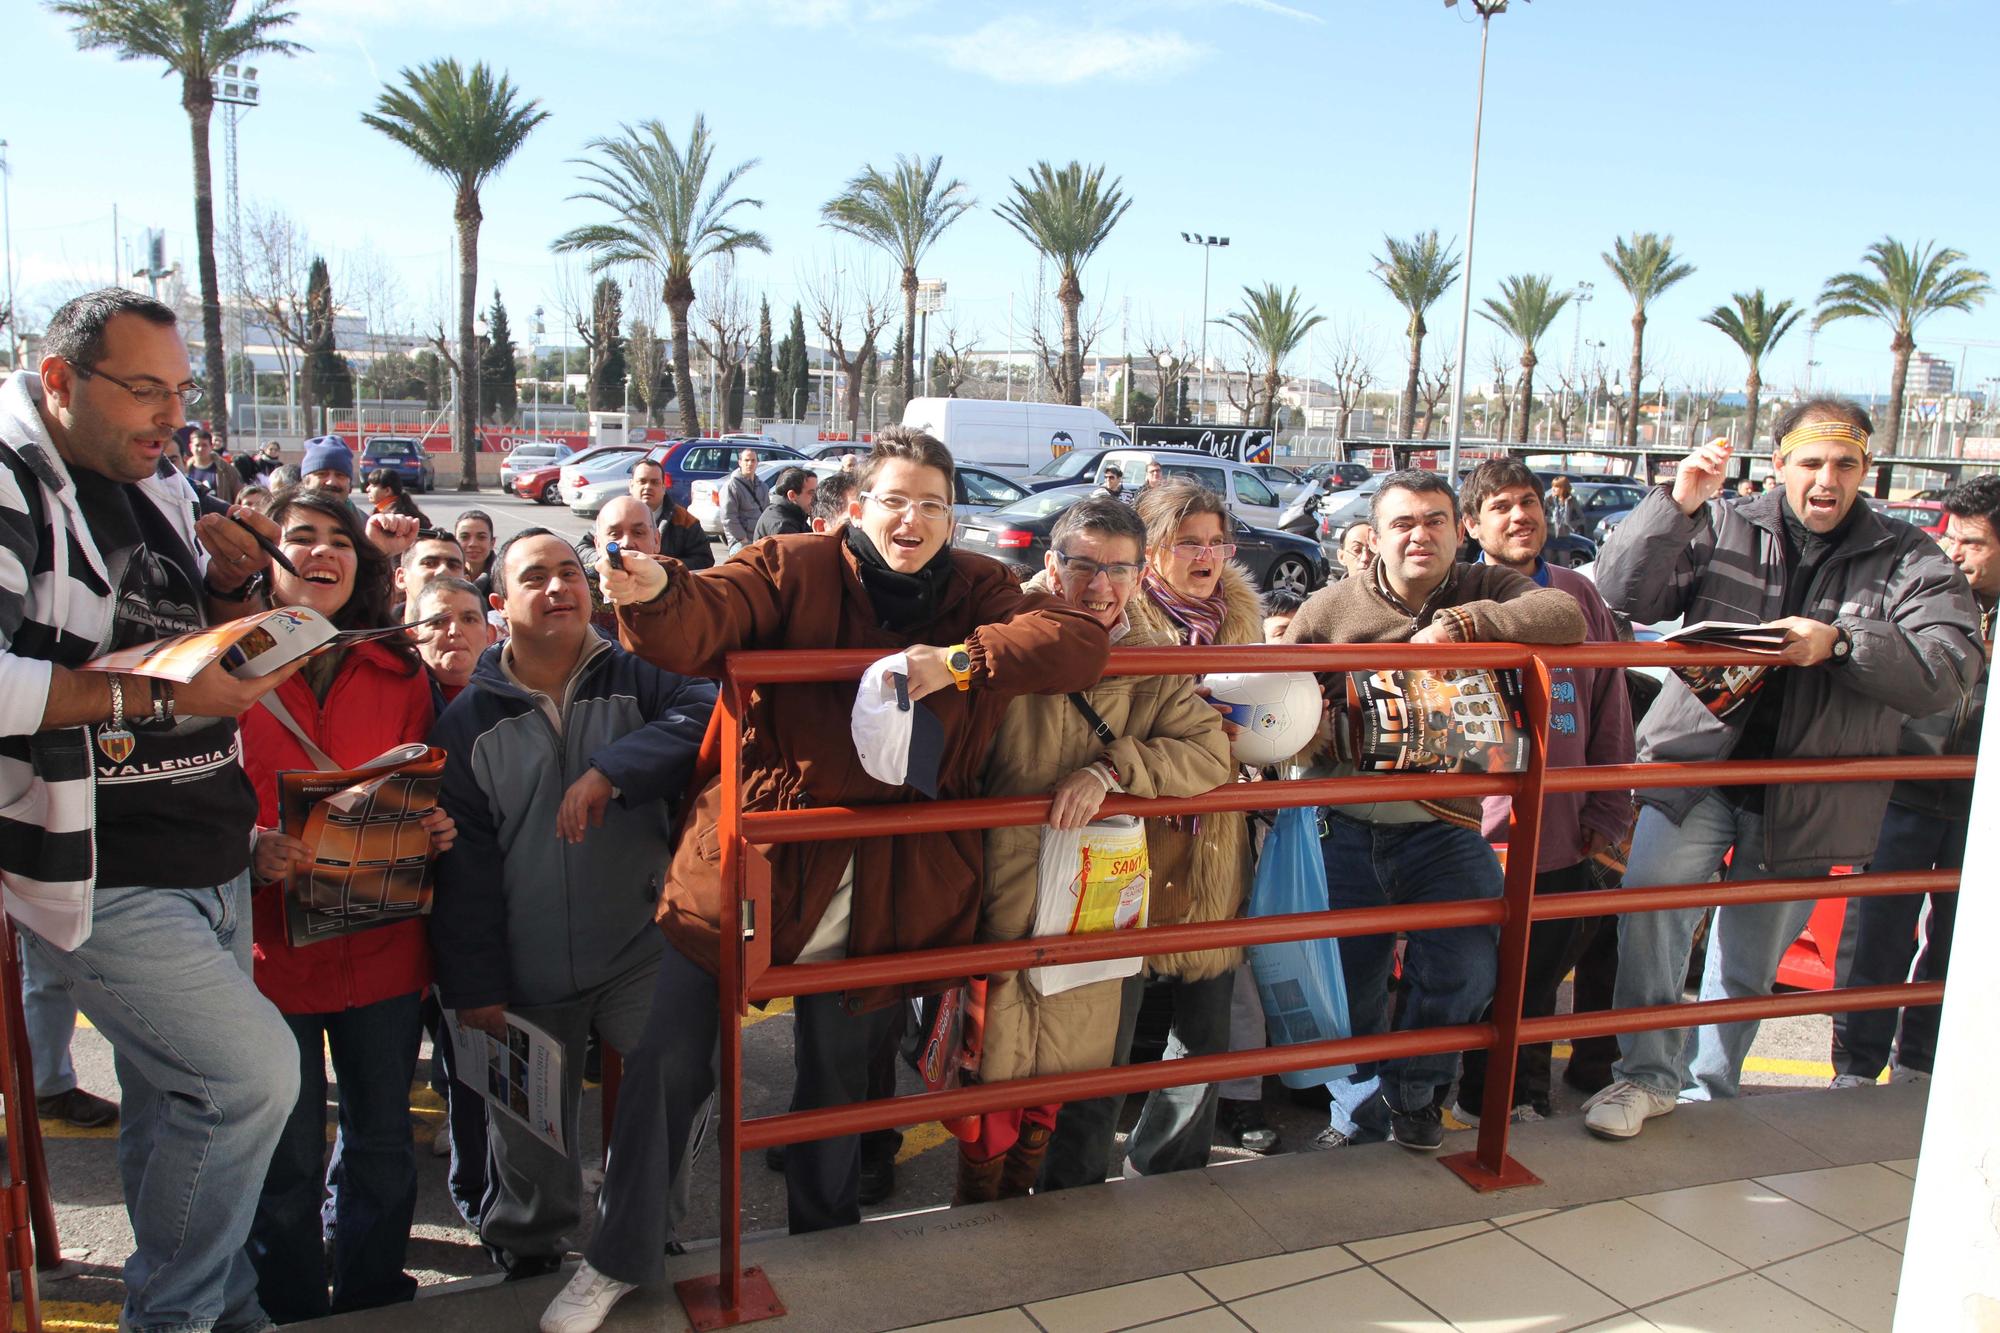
x: 356, y: 994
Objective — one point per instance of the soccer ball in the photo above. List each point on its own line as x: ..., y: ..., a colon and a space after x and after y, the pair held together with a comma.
x: 1278, y: 711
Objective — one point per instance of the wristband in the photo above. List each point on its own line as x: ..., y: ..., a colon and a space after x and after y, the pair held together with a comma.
x: 159, y: 692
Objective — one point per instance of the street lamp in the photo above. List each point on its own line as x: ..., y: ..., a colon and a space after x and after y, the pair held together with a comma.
x: 1486, y: 9
x: 236, y: 88
x: 1207, y: 244
x: 1583, y: 293
x: 930, y: 297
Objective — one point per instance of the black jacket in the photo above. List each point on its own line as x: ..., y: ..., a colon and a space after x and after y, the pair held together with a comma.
x: 782, y: 518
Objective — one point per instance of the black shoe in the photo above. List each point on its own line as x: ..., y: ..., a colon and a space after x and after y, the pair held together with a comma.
x: 675, y: 1249
x: 76, y: 1107
x: 593, y: 1058
x: 774, y: 1158
x: 1243, y: 1123
x: 878, y: 1180
x: 540, y: 1265
x: 1590, y: 1079
x: 1421, y: 1130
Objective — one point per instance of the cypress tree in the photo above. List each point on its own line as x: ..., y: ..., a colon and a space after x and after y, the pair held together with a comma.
x: 499, y: 389
x: 763, y: 374
x: 329, y: 379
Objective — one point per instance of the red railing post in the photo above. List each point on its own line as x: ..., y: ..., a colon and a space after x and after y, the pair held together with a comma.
x: 27, y: 1216
x: 732, y: 1296
x: 1488, y: 1167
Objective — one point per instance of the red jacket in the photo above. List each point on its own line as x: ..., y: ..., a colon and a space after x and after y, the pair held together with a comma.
x: 372, y: 706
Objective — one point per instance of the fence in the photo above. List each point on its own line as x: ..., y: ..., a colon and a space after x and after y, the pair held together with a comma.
x: 738, y: 1295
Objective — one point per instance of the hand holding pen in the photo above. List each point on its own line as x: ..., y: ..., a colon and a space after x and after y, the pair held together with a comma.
x: 241, y: 542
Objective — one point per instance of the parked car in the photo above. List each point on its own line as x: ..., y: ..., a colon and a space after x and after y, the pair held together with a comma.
x: 978, y: 490
x: 587, y: 482
x: 1605, y: 506
x: 1078, y: 465
x: 1247, y: 494
x: 1285, y: 481
x: 705, y: 501
x: 1011, y: 436
x: 403, y: 455
x: 1925, y: 514
x: 530, y: 455
x: 543, y: 484
x: 1350, y: 474
x: 1019, y: 535
x: 687, y: 461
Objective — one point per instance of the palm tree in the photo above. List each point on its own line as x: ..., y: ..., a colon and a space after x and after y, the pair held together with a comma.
x: 904, y: 214
x: 1645, y: 266
x: 665, y: 215
x: 1755, y: 329
x: 193, y: 38
x: 1417, y: 272
x: 464, y: 126
x: 1528, y: 304
x: 1907, y: 287
x: 1275, y: 326
x: 1066, y: 214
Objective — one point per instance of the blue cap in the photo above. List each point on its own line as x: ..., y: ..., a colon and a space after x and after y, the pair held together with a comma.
x: 327, y: 453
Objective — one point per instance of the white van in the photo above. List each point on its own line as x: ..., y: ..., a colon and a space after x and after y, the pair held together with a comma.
x: 1012, y: 437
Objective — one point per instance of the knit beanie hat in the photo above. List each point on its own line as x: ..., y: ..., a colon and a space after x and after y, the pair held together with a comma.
x: 327, y: 453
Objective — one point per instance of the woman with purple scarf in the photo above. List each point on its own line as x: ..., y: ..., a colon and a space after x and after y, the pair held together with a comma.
x: 1201, y: 868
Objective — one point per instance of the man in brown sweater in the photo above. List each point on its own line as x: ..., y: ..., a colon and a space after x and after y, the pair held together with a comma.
x: 1398, y: 852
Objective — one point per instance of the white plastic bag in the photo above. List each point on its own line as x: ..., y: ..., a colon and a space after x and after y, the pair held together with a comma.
x: 1092, y: 879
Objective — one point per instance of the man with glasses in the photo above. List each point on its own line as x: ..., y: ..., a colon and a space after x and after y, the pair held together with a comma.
x: 971, y: 640
x: 744, y: 499
x: 125, y: 848
x: 1416, y: 851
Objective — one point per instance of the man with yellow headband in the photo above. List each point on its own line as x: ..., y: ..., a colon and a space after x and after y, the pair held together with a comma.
x: 1879, y: 627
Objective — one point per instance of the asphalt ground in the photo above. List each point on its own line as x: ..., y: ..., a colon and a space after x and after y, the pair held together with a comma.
x: 95, y: 1238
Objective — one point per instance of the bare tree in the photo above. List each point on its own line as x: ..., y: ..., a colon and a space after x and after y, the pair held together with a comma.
x: 1503, y: 360
x: 1433, y: 387
x: 850, y: 307
x: 951, y: 363
x: 1169, y: 362
x: 1092, y: 318
x: 1573, y: 385
x: 1352, y: 372
x: 369, y: 285
x: 727, y: 323
x: 1243, y: 383
x: 277, y: 256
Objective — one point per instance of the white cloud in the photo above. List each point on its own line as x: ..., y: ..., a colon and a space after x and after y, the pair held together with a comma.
x: 1029, y: 50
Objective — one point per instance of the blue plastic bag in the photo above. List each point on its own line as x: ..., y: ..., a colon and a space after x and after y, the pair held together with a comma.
x: 1299, y: 982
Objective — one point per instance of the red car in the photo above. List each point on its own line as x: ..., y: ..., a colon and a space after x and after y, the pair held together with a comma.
x: 1925, y: 514
x: 539, y: 485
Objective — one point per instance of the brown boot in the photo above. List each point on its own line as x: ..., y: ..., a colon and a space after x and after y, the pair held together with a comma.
x: 978, y: 1182
x: 1024, y: 1162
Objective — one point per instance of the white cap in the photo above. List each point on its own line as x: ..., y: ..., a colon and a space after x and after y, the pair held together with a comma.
x: 900, y: 742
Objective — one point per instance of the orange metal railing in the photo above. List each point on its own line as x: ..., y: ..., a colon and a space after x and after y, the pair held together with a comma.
x: 745, y: 974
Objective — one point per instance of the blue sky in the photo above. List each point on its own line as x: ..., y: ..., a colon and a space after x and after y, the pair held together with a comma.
x: 1773, y: 138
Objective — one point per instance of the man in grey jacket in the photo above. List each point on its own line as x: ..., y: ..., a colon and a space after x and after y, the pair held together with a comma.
x: 744, y: 500
x: 567, y: 759
x: 1879, y: 627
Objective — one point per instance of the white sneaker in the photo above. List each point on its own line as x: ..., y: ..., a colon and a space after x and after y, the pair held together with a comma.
x: 1622, y: 1110
x: 1902, y: 1074
x: 581, y: 1306
x: 1851, y: 1081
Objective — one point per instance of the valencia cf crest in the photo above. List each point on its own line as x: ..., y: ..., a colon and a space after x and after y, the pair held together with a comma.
x: 116, y: 743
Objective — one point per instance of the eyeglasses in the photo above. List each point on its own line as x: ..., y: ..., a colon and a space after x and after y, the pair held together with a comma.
x: 1086, y: 571
x: 149, y: 395
x: 1195, y: 550
x: 901, y: 504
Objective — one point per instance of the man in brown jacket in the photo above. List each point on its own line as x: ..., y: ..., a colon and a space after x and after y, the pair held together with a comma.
x: 1397, y: 852
x: 974, y: 639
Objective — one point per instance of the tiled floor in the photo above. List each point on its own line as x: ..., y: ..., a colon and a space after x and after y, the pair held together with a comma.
x: 1805, y: 1252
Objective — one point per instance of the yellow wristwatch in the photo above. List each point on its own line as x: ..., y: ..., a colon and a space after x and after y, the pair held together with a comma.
x: 958, y: 661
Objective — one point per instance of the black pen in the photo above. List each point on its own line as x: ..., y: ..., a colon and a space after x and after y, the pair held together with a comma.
x: 211, y: 505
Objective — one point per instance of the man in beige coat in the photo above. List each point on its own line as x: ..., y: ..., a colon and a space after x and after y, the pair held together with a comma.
x: 1165, y: 741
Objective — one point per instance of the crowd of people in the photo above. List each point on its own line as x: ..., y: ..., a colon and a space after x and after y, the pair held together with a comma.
x: 576, y: 846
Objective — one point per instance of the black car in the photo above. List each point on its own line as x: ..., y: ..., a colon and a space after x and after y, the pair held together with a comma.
x: 1019, y: 535
x: 1350, y: 474
x: 1070, y: 469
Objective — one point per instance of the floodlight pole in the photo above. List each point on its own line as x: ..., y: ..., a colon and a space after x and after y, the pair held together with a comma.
x: 1487, y: 9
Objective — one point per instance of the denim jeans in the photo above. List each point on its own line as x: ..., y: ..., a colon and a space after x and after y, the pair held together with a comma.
x: 1744, y: 947
x: 366, y: 1197
x: 1553, y: 947
x: 50, y: 1008
x: 464, y: 1122
x: 1880, y: 945
x: 1176, y: 1125
x: 209, y: 1073
x: 1447, y: 974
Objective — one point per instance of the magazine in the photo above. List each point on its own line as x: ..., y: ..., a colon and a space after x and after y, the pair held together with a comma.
x: 371, y: 852
x: 1724, y: 689
x: 249, y: 647
x: 521, y: 1077
x: 1443, y: 720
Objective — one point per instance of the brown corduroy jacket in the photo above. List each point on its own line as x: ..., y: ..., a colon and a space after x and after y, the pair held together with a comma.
x: 913, y: 891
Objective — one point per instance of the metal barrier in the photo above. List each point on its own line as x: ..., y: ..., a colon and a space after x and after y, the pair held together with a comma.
x: 737, y: 1295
